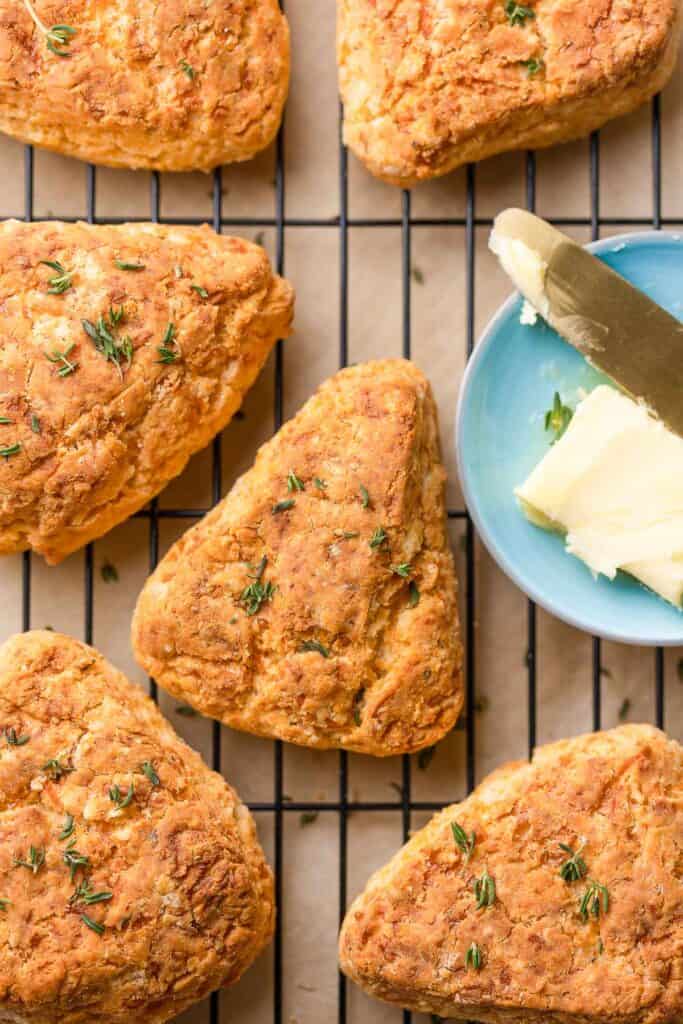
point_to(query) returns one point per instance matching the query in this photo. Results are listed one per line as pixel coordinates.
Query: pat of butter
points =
(614, 485)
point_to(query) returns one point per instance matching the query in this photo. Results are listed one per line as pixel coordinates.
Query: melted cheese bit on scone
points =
(614, 485)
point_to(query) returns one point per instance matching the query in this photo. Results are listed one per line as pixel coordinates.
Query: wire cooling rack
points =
(154, 514)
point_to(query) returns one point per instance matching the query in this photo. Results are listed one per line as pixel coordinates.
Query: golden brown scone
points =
(96, 427)
(429, 85)
(131, 880)
(173, 86)
(317, 602)
(615, 799)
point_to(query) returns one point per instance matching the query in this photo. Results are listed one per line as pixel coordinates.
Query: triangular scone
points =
(119, 359)
(590, 930)
(176, 86)
(132, 882)
(429, 85)
(317, 602)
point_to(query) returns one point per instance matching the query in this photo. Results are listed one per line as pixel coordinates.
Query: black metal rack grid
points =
(343, 806)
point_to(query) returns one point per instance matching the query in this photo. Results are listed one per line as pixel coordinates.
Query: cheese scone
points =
(551, 895)
(317, 602)
(429, 85)
(132, 882)
(123, 350)
(130, 83)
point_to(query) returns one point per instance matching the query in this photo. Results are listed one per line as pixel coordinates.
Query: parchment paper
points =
(310, 909)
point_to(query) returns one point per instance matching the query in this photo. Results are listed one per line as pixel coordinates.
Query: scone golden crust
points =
(173, 86)
(96, 415)
(616, 800)
(132, 880)
(431, 84)
(317, 602)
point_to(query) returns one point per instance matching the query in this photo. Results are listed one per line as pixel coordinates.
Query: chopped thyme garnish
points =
(10, 450)
(67, 827)
(34, 861)
(66, 366)
(92, 925)
(418, 276)
(185, 710)
(404, 569)
(117, 797)
(358, 706)
(485, 890)
(201, 292)
(425, 757)
(113, 349)
(517, 14)
(473, 956)
(379, 537)
(283, 506)
(168, 354)
(56, 36)
(12, 739)
(4, 903)
(320, 484)
(315, 646)
(594, 900)
(35, 424)
(147, 768)
(533, 66)
(85, 893)
(61, 282)
(55, 769)
(413, 594)
(307, 818)
(464, 842)
(253, 596)
(558, 418)
(350, 534)
(109, 573)
(364, 496)
(74, 860)
(575, 868)
(188, 69)
(293, 482)
(624, 709)
(123, 265)
(4, 420)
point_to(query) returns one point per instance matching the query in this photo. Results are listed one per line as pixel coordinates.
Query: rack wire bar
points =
(405, 806)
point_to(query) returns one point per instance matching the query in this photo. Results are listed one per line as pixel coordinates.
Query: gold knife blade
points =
(615, 326)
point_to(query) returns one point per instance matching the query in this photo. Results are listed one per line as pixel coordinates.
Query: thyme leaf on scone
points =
(61, 282)
(283, 506)
(13, 739)
(464, 842)
(87, 895)
(413, 594)
(293, 482)
(4, 903)
(516, 13)
(404, 569)
(594, 901)
(55, 769)
(34, 861)
(188, 69)
(124, 265)
(378, 538)
(485, 890)
(92, 925)
(320, 484)
(147, 768)
(67, 827)
(66, 366)
(533, 66)
(574, 868)
(473, 956)
(4, 420)
(166, 353)
(254, 595)
(115, 350)
(56, 37)
(9, 450)
(364, 496)
(74, 860)
(35, 424)
(201, 292)
(117, 797)
(314, 646)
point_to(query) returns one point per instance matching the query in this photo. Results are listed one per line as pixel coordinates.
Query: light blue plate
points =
(509, 385)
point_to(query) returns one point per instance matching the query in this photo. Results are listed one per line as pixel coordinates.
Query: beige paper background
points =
(310, 909)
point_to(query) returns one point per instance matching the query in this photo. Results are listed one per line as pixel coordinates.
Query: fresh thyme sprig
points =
(473, 956)
(314, 646)
(166, 353)
(117, 797)
(464, 842)
(574, 868)
(485, 890)
(61, 282)
(86, 895)
(66, 366)
(114, 350)
(34, 861)
(148, 769)
(12, 739)
(56, 36)
(75, 860)
(594, 901)
(254, 595)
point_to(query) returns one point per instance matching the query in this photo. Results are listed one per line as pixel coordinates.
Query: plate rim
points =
(483, 344)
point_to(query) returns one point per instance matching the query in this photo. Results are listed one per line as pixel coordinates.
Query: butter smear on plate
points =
(613, 484)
